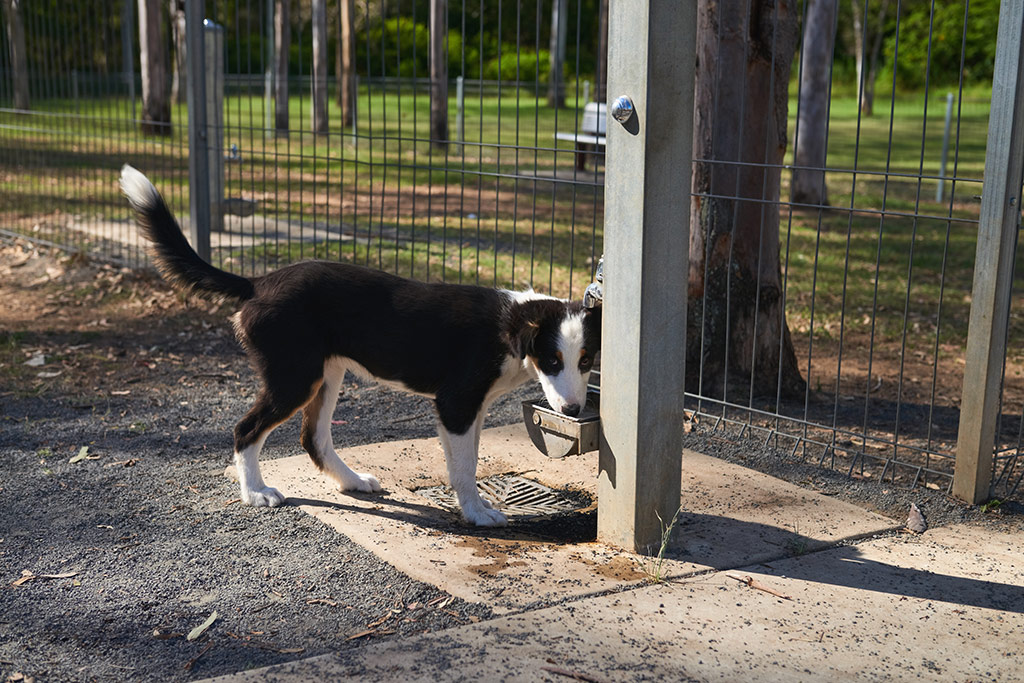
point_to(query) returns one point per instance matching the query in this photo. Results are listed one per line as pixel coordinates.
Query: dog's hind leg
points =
(316, 434)
(277, 402)
(460, 453)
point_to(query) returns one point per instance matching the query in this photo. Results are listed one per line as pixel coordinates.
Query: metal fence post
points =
(213, 40)
(647, 208)
(993, 268)
(460, 104)
(198, 152)
(940, 186)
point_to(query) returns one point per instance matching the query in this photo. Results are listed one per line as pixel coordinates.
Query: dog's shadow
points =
(576, 526)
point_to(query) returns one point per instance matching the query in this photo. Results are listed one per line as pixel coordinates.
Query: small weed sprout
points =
(656, 565)
(991, 505)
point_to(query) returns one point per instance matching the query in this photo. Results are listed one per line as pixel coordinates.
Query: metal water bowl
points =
(557, 435)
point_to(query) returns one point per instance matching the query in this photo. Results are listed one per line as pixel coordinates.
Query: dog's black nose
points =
(572, 410)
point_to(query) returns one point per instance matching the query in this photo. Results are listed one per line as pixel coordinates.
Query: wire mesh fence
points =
(865, 308)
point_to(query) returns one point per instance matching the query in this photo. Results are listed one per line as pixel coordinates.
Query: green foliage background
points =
(507, 39)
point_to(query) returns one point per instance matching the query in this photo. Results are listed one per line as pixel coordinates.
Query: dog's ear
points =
(592, 323)
(522, 329)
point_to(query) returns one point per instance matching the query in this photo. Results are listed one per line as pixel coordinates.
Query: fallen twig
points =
(759, 586)
(189, 663)
(27, 576)
(321, 601)
(361, 634)
(568, 673)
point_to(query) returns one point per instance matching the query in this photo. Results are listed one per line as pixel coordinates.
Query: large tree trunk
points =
(19, 58)
(282, 44)
(559, 29)
(346, 60)
(179, 77)
(156, 104)
(319, 21)
(438, 74)
(808, 186)
(737, 329)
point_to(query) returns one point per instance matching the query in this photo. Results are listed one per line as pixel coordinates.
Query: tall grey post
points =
(213, 39)
(993, 269)
(198, 152)
(651, 46)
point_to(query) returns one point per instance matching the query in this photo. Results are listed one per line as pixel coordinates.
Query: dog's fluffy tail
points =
(174, 257)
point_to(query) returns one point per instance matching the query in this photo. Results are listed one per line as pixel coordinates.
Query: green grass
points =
(488, 206)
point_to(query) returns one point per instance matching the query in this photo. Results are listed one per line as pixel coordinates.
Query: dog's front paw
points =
(483, 516)
(367, 483)
(266, 497)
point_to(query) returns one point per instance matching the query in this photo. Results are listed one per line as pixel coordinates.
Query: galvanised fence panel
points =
(838, 164)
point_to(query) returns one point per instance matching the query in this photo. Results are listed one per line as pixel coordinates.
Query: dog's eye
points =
(586, 363)
(551, 365)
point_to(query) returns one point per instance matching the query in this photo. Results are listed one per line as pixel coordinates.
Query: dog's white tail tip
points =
(137, 188)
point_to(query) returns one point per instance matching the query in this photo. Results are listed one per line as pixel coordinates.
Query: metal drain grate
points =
(514, 495)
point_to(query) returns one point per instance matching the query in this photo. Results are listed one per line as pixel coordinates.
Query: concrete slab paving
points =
(944, 606)
(732, 517)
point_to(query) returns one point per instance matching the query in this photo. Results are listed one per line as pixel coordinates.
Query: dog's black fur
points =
(462, 345)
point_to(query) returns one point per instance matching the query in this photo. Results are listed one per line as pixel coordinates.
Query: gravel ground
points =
(144, 532)
(155, 538)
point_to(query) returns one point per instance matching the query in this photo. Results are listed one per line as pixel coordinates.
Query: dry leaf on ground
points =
(201, 629)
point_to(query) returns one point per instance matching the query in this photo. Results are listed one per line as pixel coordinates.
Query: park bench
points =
(590, 136)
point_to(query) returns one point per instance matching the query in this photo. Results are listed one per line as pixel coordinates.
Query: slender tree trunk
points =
(346, 59)
(19, 57)
(602, 53)
(282, 44)
(858, 48)
(556, 80)
(438, 73)
(808, 186)
(737, 328)
(156, 104)
(179, 78)
(867, 85)
(319, 21)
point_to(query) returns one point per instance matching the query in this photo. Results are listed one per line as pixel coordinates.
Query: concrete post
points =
(647, 206)
(198, 152)
(993, 266)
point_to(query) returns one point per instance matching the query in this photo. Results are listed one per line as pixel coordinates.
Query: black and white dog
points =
(304, 326)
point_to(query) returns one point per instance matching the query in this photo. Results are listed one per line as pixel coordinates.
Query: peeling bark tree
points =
(808, 186)
(556, 63)
(860, 35)
(282, 44)
(737, 328)
(179, 76)
(156, 103)
(345, 65)
(602, 53)
(319, 21)
(19, 58)
(438, 74)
